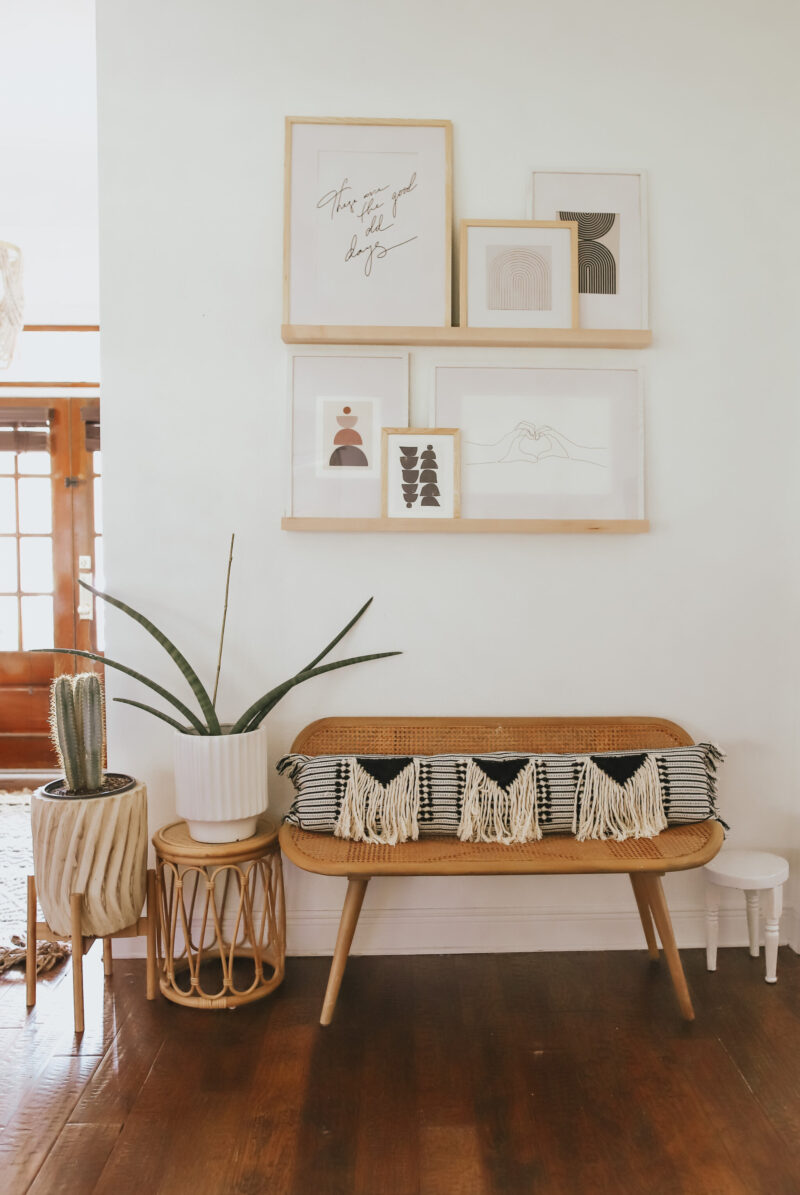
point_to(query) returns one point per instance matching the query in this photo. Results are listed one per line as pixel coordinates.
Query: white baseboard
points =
(497, 930)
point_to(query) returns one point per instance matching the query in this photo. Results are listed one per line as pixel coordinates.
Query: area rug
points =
(16, 864)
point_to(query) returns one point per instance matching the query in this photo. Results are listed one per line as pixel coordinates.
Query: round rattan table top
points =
(175, 843)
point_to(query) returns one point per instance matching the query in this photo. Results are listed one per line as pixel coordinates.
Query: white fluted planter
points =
(93, 845)
(221, 783)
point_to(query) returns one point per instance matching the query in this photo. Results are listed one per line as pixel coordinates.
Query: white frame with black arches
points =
(623, 193)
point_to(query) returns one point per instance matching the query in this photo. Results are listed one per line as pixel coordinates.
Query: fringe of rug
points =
(605, 809)
(490, 813)
(374, 812)
(48, 955)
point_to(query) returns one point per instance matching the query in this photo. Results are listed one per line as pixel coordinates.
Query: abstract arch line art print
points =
(532, 444)
(518, 278)
(597, 266)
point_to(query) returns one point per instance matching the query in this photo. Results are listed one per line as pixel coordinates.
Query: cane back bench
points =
(645, 859)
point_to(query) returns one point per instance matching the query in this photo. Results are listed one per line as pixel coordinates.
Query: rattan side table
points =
(222, 920)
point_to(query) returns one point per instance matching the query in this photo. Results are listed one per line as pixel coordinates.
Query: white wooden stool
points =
(754, 872)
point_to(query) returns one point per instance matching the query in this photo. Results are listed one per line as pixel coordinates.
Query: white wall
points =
(696, 621)
(48, 167)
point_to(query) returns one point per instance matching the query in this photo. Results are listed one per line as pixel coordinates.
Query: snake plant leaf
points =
(339, 637)
(156, 713)
(189, 674)
(254, 716)
(151, 684)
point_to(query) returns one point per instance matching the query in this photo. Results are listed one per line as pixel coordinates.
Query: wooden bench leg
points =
(640, 892)
(658, 905)
(30, 946)
(356, 887)
(108, 958)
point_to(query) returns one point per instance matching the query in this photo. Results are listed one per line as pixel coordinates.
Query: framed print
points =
(421, 473)
(609, 210)
(519, 274)
(367, 222)
(545, 443)
(338, 406)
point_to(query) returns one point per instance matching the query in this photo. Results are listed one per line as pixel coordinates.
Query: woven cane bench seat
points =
(676, 849)
(645, 860)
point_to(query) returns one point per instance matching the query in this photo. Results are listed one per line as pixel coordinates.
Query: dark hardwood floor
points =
(459, 1075)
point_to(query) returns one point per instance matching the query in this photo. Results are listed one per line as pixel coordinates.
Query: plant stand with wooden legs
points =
(40, 931)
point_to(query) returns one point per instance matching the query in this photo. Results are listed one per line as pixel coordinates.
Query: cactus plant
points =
(77, 725)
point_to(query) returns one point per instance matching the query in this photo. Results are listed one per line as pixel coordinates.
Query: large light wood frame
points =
(645, 860)
(386, 432)
(564, 225)
(447, 126)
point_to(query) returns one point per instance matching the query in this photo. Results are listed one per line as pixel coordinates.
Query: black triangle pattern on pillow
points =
(384, 770)
(502, 771)
(619, 767)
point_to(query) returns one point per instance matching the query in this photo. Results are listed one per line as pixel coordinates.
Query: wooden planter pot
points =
(96, 846)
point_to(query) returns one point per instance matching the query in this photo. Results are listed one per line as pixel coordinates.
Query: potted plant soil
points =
(89, 828)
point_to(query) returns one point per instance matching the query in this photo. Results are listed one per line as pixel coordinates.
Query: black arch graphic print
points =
(518, 279)
(597, 266)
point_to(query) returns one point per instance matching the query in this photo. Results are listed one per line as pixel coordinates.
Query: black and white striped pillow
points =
(686, 782)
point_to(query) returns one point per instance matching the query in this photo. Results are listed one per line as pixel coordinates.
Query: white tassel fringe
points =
(373, 812)
(489, 813)
(611, 810)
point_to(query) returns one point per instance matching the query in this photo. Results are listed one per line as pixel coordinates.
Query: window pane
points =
(8, 566)
(36, 561)
(8, 505)
(9, 629)
(35, 508)
(33, 462)
(98, 505)
(7, 462)
(37, 622)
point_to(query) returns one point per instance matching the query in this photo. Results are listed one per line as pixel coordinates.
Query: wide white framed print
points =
(339, 404)
(610, 211)
(519, 274)
(368, 222)
(546, 443)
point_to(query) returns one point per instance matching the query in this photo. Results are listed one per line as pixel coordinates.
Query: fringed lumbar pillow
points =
(503, 797)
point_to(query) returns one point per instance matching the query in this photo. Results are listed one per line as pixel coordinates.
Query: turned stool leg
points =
(30, 946)
(712, 925)
(752, 921)
(108, 958)
(774, 910)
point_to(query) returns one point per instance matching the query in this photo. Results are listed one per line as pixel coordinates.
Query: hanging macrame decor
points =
(11, 300)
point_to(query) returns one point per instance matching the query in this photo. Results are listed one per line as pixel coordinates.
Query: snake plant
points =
(207, 722)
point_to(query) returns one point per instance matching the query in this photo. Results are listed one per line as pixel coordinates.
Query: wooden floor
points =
(457, 1075)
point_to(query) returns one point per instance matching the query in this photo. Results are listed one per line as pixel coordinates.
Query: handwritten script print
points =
(369, 223)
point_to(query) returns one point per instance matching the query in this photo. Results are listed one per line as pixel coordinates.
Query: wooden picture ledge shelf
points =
(482, 338)
(476, 526)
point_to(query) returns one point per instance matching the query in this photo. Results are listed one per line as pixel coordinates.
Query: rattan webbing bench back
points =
(439, 736)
